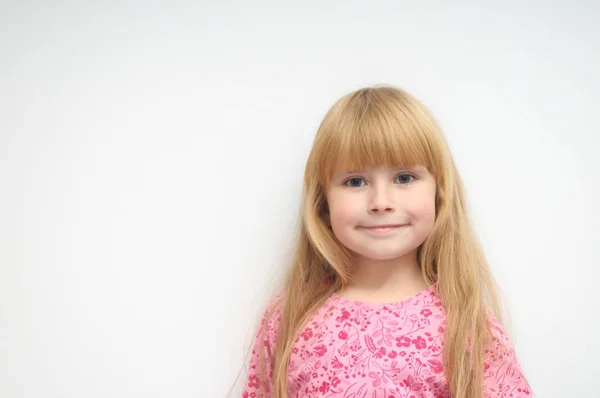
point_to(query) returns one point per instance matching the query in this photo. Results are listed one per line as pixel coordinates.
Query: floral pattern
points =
(352, 349)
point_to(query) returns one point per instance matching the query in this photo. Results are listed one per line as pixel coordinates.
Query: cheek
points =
(422, 208)
(342, 214)
(342, 211)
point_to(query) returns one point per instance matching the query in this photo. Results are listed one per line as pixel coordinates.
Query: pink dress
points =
(354, 349)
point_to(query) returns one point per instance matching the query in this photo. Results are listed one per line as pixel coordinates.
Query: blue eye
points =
(404, 178)
(354, 182)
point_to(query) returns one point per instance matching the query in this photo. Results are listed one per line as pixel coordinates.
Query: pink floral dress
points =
(355, 349)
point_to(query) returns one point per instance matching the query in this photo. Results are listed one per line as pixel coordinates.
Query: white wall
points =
(151, 158)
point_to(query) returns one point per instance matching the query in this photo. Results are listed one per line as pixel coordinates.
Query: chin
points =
(382, 256)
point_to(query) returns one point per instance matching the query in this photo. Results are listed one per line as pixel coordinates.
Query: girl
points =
(389, 293)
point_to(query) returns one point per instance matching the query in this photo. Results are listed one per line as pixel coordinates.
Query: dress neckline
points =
(374, 304)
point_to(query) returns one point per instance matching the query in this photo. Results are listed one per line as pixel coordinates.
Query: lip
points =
(382, 230)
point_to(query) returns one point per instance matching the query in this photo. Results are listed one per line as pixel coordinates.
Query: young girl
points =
(389, 293)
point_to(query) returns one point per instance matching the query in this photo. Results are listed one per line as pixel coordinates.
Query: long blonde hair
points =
(384, 125)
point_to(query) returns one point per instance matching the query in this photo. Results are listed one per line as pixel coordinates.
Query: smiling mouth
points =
(385, 226)
(382, 229)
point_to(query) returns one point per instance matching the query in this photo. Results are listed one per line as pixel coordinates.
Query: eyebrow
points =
(358, 171)
(346, 173)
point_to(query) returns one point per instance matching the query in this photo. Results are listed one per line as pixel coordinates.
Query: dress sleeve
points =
(503, 375)
(259, 379)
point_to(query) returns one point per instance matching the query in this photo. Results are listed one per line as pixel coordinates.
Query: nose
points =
(381, 200)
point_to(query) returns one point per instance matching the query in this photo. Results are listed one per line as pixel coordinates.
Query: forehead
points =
(381, 132)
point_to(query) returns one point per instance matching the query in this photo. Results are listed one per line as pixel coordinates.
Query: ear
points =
(326, 219)
(325, 216)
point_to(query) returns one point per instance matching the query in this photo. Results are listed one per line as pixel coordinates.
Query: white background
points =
(151, 158)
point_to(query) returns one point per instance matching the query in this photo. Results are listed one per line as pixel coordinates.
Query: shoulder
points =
(271, 316)
(500, 345)
(503, 374)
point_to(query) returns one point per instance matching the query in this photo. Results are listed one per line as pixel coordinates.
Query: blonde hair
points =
(384, 125)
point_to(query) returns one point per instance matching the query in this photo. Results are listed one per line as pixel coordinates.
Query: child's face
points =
(401, 199)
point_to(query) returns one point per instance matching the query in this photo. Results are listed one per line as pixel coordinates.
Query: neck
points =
(386, 280)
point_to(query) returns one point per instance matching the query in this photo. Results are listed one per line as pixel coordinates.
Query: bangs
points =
(377, 129)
